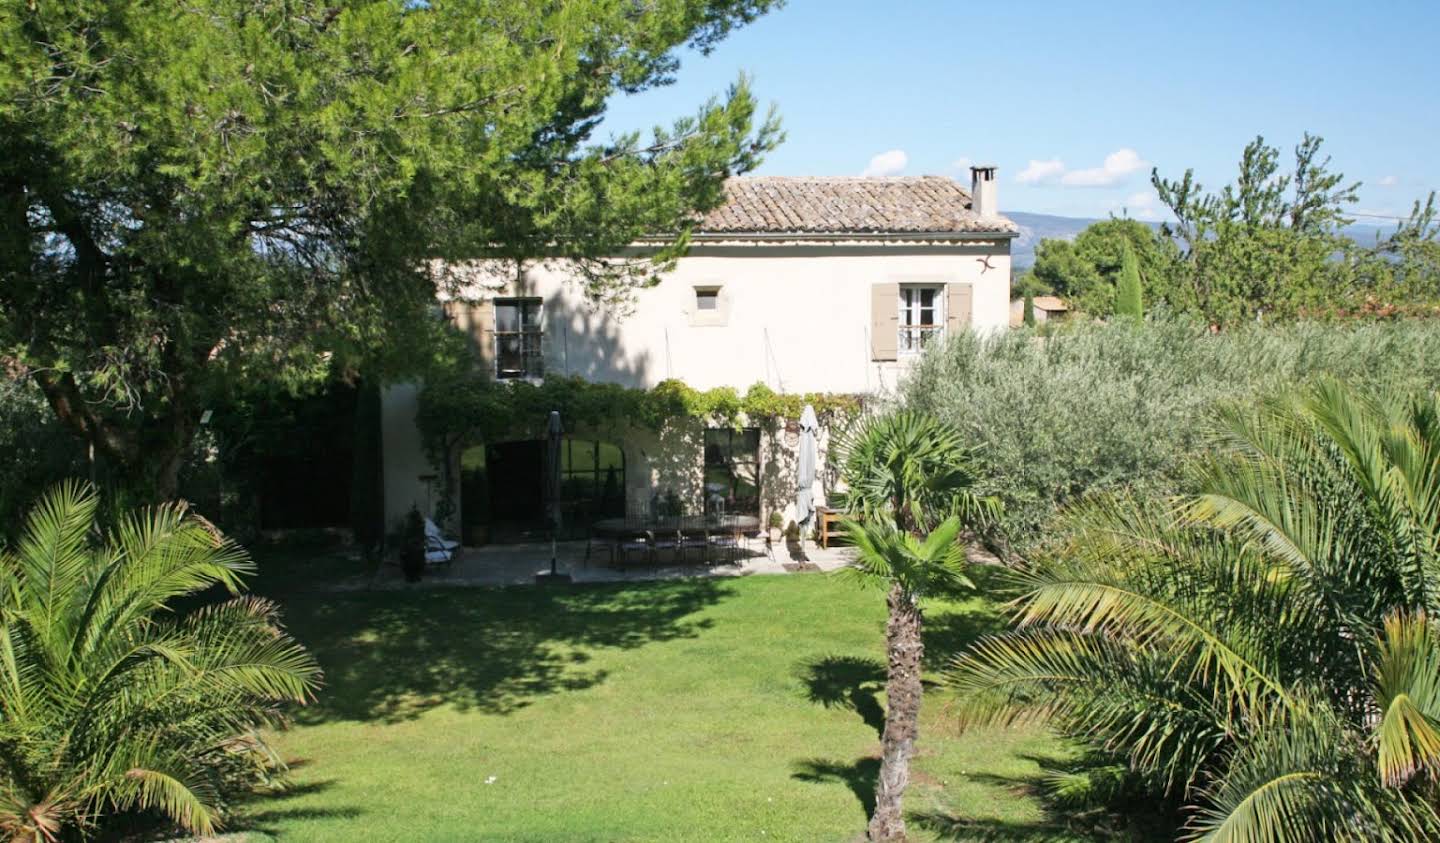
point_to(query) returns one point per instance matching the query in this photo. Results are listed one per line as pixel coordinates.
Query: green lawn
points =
(702, 709)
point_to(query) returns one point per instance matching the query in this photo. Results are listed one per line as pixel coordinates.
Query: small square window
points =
(707, 299)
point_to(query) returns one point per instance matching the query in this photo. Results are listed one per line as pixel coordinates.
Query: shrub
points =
(111, 702)
(1105, 406)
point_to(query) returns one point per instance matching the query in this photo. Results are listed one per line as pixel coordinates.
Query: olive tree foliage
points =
(208, 190)
(1123, 405)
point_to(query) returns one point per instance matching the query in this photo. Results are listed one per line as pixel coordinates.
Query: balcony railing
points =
(518, 354)
(914, 338)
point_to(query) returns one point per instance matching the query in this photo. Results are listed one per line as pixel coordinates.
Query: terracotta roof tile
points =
(817, 205)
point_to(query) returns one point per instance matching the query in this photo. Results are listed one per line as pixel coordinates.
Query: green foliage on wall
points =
(464, 406)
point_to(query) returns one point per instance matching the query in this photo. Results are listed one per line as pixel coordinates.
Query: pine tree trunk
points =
(904, 648)
(148, 458)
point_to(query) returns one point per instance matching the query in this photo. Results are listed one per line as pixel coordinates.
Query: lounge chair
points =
(438, 549)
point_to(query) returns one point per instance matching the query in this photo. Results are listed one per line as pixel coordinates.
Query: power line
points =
(1375, 216)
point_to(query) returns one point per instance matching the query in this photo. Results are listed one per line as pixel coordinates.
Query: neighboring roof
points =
(830, 205)
(1050, 303)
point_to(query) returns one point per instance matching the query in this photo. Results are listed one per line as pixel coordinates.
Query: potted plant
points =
(776, 522)
(412, 546)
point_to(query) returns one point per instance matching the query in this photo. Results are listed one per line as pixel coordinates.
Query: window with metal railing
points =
(922, 317)
(519, 339)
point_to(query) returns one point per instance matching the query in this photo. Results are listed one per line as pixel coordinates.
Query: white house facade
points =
(830, 285)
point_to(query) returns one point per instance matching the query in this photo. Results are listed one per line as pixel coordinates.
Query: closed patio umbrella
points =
(805, 471)
(553, 433)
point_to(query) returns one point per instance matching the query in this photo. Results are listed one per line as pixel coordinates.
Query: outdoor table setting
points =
(669, 532)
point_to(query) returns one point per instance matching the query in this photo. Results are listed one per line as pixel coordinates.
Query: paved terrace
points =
(517, 564)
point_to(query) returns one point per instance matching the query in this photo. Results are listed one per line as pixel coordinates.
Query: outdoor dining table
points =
(615, 530)
(683, 524)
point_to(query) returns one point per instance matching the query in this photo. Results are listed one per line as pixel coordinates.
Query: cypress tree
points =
(1129, 298)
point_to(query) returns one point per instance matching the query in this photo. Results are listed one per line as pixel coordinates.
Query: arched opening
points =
(502, 489)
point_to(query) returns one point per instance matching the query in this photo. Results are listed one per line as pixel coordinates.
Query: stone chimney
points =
(982, 191)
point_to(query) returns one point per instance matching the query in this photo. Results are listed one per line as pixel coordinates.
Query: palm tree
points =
(912, 470)
(907, 473)
(908, 569)
(1263, 653)
(109, 703)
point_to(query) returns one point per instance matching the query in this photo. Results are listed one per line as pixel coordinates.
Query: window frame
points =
(530, 334)
(595, 475)
(912, 337)
(728, 463)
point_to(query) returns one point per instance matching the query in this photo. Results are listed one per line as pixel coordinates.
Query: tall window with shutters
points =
(922, 317)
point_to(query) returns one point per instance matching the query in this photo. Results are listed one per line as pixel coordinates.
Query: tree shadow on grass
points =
(860, 776)
(853, 682)
(266, 811)
(1135, 822)
(392, 655)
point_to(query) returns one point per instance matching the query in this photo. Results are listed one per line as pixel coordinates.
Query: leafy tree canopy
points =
(1269, 245)
(233, 188)
(1265, 244)
(1086, 271)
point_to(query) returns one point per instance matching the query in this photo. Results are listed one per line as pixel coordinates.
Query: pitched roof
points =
(1050, 303)
(828, 205)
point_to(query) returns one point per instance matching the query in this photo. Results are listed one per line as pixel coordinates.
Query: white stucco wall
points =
(798, 316)
(795, 317)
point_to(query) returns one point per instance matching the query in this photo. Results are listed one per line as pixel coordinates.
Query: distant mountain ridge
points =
(1037, 227)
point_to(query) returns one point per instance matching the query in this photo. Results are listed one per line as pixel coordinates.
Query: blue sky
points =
(1076, 101)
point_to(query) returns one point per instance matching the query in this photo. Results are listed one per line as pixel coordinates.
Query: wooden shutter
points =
(959, 304)
(477, 321)
(884, 321)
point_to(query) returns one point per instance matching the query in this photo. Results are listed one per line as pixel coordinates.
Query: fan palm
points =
(1264, 652)
(109, 703)
(911, 469)
(907, 473)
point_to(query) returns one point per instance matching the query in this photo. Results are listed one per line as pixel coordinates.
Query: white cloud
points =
(962, 164)
(1041, 171)
(1116, 169)
(1118, 166)
(889, 163)
(1142, 205)
(1389, 181)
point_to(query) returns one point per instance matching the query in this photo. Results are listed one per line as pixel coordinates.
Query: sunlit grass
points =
(693, 710)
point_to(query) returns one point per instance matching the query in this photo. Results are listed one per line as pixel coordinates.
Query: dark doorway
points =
(517, 487)
(300, 451)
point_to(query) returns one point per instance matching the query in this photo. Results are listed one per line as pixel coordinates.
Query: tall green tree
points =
(912, 485)
(237, 188)
(1267, 654)
(1266, 244)
(112, 702)
(1129, 294)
